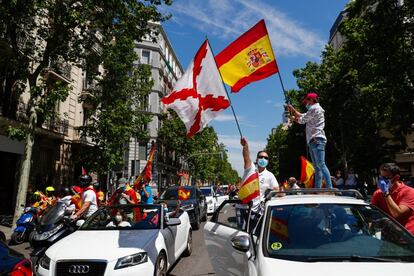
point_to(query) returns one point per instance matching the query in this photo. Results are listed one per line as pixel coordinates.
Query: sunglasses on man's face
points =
(263, 157)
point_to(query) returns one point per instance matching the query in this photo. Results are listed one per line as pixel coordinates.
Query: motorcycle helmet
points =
(50, 191)
(97, 186)
(85, 180)
(76, 190)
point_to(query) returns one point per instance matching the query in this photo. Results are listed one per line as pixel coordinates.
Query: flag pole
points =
(225, 88)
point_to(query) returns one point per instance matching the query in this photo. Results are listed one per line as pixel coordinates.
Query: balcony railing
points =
(59, 69)
(57, 125)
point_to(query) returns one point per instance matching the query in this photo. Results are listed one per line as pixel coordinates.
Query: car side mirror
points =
(173, 222)
(241, 243)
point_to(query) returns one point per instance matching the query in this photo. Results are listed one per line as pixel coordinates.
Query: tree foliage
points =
(366, 88)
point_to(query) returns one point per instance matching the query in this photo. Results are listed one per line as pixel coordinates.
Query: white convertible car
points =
(122, 240)
(330, 233)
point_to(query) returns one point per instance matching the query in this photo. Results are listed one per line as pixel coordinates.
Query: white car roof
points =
(314, 199)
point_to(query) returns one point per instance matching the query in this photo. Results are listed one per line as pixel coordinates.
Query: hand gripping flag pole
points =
(225, 88)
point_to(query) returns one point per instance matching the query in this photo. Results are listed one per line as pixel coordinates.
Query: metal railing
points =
(57, 125)
(62, 68)
(315, 191)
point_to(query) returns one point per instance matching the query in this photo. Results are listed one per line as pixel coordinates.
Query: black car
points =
(192, 201)
(12, 262)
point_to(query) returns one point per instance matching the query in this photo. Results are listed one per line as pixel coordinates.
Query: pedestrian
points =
(314, 119)
(394, 197)
(146, 193)
(293, 184)
(351, 181)
(339, 180)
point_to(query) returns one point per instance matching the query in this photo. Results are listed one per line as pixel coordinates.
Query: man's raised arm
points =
(246, 153)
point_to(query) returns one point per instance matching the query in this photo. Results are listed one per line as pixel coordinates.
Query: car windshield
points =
(323, 232)
(130, 217)
(178, 193)
(206, 191)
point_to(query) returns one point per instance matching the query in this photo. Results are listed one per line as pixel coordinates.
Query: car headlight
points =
(132, 260)
(45, 262)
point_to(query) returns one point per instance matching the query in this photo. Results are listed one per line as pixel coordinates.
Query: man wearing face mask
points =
(267, 180)
(314, 119)
(394, 197)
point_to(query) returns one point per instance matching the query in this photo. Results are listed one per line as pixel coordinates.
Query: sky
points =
(298, 30)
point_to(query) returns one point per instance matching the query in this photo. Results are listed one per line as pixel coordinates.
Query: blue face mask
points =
(165, 210)
(308, 106)
(262, 162)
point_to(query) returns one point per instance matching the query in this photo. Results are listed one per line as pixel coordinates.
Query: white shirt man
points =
(89, 195)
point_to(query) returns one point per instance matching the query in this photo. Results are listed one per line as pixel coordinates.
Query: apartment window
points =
(142, 152)
(146, 57)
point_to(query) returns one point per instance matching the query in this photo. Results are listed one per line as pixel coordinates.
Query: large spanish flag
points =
(146, 173)
(247, 59)
(307, 174)
(249, 190)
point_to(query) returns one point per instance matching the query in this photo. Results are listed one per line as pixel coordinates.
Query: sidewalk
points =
(23, 248)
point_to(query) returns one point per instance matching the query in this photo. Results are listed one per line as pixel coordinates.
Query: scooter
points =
(24, 226)
(53, 226)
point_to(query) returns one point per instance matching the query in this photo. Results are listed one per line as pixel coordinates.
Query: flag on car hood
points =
(199, 95)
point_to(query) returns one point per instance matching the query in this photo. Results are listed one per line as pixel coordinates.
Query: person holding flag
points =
(257, 182)
(314, 119)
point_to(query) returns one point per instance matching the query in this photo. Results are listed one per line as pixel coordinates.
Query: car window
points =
(206, 191)
(124, 217)
(180, 193)
(234, 215)
(303, 232)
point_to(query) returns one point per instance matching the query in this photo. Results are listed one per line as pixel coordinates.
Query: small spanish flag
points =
(307, 174)
(247, 59)
(249, 190)
(279, 228)
(183, 194)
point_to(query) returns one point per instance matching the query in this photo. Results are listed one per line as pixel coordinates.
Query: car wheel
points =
(189, 248)
(161, 265)
(17, 237)
(196, 224)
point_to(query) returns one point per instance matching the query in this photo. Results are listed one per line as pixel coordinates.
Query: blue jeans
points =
(317, 153)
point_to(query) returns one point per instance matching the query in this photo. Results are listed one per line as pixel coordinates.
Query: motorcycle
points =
(53, 226)
(24, 226)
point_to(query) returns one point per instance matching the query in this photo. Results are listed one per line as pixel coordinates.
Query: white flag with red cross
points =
(199, 95)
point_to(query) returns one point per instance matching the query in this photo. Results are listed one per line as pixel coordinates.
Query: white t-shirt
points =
(267, 180)
(89, 195)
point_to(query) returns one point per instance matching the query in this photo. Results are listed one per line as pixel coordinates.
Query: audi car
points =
(305, 233)
(122, 240)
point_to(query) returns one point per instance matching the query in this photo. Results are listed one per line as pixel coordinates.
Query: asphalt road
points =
(198, 264)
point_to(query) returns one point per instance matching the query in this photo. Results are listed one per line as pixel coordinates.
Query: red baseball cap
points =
(310, 96)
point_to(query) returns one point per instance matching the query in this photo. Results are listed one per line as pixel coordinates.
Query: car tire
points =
(196, 224)
(160, 268)
(189, 248)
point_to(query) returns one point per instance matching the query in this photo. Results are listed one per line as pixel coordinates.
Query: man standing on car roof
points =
(314, 119)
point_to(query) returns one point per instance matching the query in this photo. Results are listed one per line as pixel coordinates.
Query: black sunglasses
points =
(265, 157)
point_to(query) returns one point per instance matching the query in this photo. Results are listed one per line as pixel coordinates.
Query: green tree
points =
(36, 33)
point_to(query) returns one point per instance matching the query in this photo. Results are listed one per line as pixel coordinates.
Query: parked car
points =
(191, 199)
(312, 234)
(13, 263)
(211, 198)
(122, 240)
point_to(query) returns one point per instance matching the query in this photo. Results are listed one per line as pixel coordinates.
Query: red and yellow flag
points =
(183, 193)
(307, 174)
(146, 173)
(247, 59)
(279, 228)
(250, 188)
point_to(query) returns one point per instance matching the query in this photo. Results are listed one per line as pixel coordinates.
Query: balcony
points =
(86, 95)
(57, 125)
(58, 70)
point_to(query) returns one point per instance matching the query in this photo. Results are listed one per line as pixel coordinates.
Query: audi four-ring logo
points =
(79, 269)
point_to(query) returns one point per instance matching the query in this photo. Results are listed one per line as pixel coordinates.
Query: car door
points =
(218, 234)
